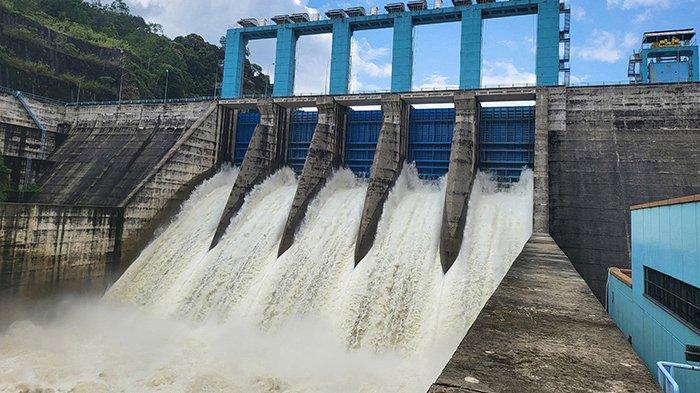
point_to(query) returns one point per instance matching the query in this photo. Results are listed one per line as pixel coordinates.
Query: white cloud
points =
(631, 4)
(642, 16)
(366, 63)
(209, 18)
(605, 46)
(578, 12)
(436, 81)
(313, 64)
(505, 73)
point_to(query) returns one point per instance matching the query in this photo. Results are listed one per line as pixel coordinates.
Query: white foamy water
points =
(239, 319)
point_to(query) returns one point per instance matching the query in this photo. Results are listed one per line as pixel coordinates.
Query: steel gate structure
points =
(430, 140)
(245, 126)
(301, 130)
(361, 136)
(506, 141)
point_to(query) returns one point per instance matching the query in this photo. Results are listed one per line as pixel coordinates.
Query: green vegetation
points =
(98, 44)
(4, 180)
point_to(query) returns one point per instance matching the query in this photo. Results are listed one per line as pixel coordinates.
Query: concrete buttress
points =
(460, 178)
(389, 157)
(325, 154)
(265, 154)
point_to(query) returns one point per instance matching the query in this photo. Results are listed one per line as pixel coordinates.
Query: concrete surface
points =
(610, 148)
(543, 331)
(47, 248)
(111, 150)
(389, 156)
(265, 155)
(325, 154)
(460, 178)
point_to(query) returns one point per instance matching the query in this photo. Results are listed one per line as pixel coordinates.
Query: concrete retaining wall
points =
(621, 145)
(46, 248)
(139, 160)
(20, 139)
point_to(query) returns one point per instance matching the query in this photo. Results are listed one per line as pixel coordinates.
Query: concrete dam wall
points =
(620, 146)
(595, 151)
(119, 172)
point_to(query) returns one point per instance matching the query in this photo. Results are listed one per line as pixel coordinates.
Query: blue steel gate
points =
(245, 126)
(300, 133)
(430, 140)
(506, 141)
(361, 137)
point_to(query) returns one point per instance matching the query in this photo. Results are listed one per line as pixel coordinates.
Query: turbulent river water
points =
(239, 319)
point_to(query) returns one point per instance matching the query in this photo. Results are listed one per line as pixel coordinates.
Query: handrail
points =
(666, 378)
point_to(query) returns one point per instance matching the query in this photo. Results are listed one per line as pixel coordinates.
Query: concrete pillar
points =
(340, 57)
(325, 155)
(470, 50)
(285, 62)
(388, 161)
(402, 55)
(541, 164)
(232, 84)
(547, 59)
(460, 178)
(265, 154)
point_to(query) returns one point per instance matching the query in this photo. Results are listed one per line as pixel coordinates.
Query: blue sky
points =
(603, 35)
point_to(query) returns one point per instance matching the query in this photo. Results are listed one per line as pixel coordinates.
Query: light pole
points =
(167, 77)
(80, 82)
(121, 79)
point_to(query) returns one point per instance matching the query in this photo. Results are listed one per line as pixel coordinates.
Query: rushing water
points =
(239, 319)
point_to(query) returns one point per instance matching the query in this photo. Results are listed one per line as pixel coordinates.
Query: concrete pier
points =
(460, 178)
(265, 154)
(389, 157)
(325, 154)
(543, 331)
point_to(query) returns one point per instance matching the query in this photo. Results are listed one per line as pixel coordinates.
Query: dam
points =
(341, 242)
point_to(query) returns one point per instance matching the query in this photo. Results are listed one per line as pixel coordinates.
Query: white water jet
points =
(239, 319)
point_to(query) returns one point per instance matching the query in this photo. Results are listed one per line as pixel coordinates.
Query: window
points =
(678, 297)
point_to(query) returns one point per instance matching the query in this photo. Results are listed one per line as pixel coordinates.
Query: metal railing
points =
(149, 101)
(36, 97)
(666, 377)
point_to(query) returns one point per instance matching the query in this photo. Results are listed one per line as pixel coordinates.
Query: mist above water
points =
(239, 319)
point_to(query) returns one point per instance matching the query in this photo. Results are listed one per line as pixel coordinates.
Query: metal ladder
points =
(28, 165)
(565, 38)
(634, 75)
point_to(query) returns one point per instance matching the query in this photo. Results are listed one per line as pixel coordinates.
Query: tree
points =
(120, 7)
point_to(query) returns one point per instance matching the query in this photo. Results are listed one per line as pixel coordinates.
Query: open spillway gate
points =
(316, 139)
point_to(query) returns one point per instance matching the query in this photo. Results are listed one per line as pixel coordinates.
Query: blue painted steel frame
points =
(689, 51)
(301, 130)
(430, 140)
(547, 67)
(506, 141)
(245, 126)
(361, 137)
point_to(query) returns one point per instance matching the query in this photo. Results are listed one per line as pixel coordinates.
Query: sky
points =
(603, 35)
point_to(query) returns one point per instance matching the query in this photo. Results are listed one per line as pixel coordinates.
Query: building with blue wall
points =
(657, 304)
(669, 56)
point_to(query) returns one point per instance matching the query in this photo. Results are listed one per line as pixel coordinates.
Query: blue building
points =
(669, 56)
(656, 305)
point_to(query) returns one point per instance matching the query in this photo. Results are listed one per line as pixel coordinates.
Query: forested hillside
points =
(59, 48)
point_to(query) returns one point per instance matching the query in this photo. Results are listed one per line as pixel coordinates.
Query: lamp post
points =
(167, 77)
(121, 78)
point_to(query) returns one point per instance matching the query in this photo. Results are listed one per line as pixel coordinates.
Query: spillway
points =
(238, 318)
